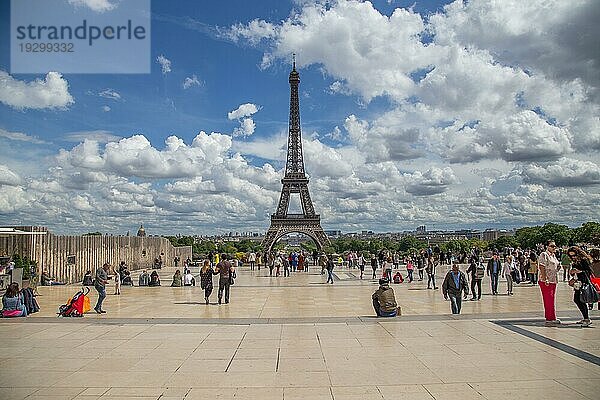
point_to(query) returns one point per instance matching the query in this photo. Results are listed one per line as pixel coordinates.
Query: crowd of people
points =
(541, 266)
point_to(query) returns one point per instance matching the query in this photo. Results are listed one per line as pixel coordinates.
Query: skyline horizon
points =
(225, 232)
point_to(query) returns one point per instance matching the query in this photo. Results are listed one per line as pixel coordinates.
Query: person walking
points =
(477, 272)
(548, 266)
(494, 268)
(580, 274)
(533, 267)
(226, 272)
(117, 277)
(387, 269)
(384, 300)
(508, 269)
(278, 262)
(409, 270)
(454, 284)
(252, 260)
(271, 262)
(374, 265)
(361, 265)
(206, 279)
(286, 266)
(293, 259)
(430, 269)
(421, 265)
(330, 266)
(100, 286)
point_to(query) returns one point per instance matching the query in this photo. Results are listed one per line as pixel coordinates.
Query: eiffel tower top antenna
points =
(293, 61)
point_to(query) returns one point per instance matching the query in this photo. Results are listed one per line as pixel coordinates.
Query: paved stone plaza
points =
(298, 338)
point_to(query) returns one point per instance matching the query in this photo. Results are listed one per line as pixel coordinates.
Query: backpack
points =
(479, 271)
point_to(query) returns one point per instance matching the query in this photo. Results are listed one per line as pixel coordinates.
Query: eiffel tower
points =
(295, 182)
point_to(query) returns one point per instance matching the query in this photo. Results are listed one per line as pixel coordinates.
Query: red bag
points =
(11, 313)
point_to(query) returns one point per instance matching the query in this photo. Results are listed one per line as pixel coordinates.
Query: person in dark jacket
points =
(225, 271)
(330, 266)
(494, 268)
(580, 273)
(454, 284)
(384, 300)
(154, 279)
(100, 286)
(477, 272)
(88, 279)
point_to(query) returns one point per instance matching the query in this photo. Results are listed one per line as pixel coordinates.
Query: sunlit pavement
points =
(299, 338)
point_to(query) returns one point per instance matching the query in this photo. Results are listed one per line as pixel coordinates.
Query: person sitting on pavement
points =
(144, 279)
(188, 279)
(88, 279)
(177, 279)
(384, 300)
(154, 279)
(398, 277)
(47, 280)
(13, 304)
(124, 274)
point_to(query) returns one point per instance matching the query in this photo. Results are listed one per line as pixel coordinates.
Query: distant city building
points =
(333, 233)
(421, 229)
(141, 232)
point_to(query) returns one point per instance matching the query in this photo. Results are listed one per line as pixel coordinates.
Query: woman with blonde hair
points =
(206, 280)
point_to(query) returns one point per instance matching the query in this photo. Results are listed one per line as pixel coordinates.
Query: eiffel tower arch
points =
(295, 182)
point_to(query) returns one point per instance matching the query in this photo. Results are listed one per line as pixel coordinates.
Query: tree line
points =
(526, 237)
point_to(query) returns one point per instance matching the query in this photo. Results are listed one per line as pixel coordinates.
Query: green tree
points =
(532, 236)
(561, 234)
(528, 236)
(502, 242)
(587, 233)
(410, 243)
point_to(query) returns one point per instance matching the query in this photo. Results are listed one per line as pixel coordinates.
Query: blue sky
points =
(412, 113)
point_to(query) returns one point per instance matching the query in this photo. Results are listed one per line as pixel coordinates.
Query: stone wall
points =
(67, 258)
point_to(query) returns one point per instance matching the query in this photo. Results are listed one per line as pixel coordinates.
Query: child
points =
(117, 283)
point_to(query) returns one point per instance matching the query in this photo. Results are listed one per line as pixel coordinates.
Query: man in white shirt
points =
(188, 279)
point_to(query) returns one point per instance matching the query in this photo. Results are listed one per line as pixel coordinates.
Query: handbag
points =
(11, 313)
(588, 294)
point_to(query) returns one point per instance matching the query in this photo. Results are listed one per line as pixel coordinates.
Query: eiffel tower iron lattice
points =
(295, 182)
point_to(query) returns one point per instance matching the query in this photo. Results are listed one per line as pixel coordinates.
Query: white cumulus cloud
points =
(50, 92)
(243, 114)
(244, 110)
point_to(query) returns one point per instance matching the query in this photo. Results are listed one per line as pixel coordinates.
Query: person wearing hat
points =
(384, 300)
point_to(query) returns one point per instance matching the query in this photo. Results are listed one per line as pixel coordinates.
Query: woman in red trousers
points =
(548, 266)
